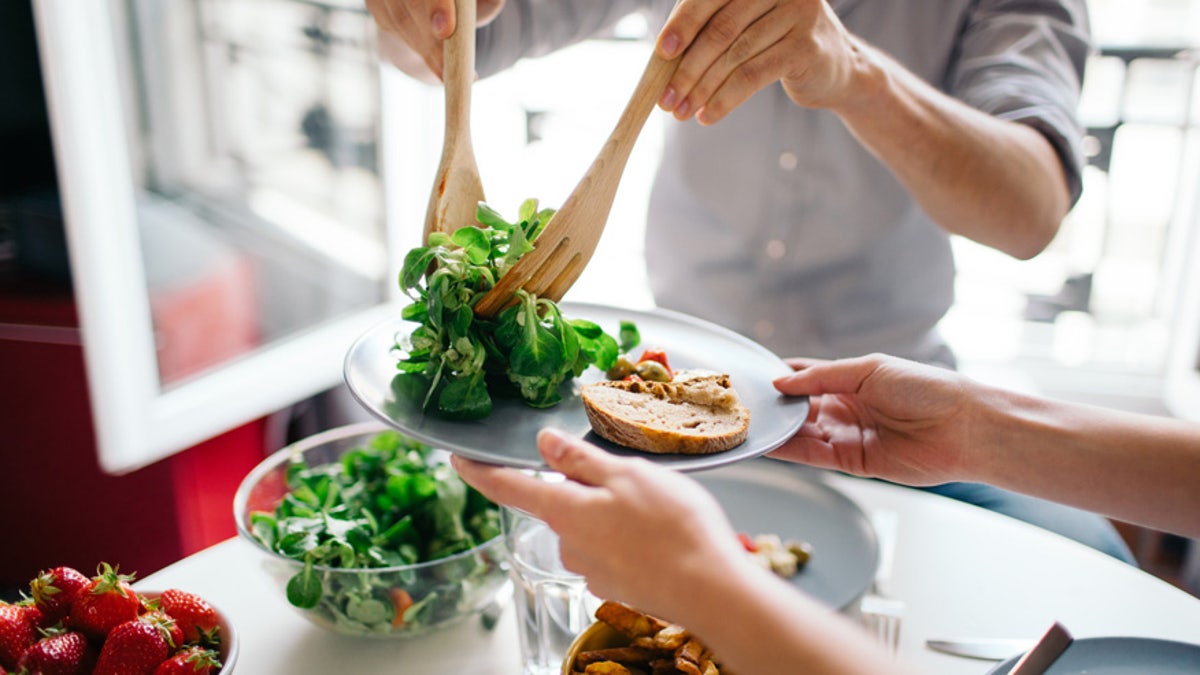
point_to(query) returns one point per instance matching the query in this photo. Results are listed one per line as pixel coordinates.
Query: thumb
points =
(442, 17)
(575, 458)
(844, 376)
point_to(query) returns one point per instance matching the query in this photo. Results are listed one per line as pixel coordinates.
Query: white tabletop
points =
(961, 570)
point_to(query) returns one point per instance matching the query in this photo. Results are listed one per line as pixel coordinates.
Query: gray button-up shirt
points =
(777, 223)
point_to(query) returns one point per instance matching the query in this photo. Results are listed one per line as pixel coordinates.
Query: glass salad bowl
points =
(370, 533)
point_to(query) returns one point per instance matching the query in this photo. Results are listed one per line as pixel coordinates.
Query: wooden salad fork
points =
(565, 246)
(457, 189)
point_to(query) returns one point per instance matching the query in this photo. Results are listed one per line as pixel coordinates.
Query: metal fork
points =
(880, 613)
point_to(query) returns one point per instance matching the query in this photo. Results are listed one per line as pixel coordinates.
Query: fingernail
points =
(668, 98)
(704, 118)
(669, 46)
(682, 111)
(439, 22)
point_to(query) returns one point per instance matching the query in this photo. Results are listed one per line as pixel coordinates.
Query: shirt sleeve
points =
(530, 28)
(1023, 60)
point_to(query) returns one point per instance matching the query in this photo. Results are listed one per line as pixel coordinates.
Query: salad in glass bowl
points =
(371, 533)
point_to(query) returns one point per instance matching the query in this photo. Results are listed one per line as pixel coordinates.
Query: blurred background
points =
(243, 176)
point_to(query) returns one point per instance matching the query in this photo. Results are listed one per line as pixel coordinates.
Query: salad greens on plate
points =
(356, 526)
(529, 349)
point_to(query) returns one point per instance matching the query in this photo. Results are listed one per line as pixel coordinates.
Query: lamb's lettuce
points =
(391, 502)
(530, 348)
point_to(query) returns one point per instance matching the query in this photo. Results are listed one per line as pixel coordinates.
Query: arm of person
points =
(652, 538)
(885, 417)
(997, 182)
(1139, 468)
(972, 168)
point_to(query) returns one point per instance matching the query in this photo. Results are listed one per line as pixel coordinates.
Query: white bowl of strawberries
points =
(78, 625)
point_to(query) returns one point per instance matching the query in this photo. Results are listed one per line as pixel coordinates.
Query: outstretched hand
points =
(883, 417)
(639, 532)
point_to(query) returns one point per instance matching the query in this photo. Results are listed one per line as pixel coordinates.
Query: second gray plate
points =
(771, 496)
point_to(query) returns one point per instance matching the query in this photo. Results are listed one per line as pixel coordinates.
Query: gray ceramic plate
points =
(1120, 656)
(770, 496)
(507, 436)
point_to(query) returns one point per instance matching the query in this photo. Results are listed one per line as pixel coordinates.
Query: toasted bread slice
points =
(697, 416)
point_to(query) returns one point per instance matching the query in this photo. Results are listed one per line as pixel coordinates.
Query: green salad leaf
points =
(530, 348)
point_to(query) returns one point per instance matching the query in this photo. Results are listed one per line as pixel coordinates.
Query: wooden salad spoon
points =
(570, 238)
(457, 189)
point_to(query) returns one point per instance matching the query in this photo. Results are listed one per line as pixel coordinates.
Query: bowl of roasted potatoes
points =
(626, 641)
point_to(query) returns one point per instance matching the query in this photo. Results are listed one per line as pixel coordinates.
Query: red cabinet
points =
(60, 508)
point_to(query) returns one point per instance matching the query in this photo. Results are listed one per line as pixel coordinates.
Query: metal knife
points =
(987, 649)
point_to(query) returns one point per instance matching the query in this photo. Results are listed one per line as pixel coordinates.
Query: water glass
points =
(553, 605)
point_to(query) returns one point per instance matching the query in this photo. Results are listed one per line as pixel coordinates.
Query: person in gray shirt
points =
(828, 151)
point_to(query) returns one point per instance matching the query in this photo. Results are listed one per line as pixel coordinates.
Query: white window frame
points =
(136, 420)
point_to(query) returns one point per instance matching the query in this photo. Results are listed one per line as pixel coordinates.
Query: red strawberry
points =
(166, 624)
(18, 632)
(132, 648)
(62, 654)
(193, 614)
(35, 615)
(54, 590)
(190, 661)
(104, 602)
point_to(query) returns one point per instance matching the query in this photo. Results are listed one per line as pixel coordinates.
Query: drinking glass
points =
(553, 605)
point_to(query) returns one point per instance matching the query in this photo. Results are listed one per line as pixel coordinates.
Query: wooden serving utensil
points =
(570, 238)
(457, 189)
(1049, 647)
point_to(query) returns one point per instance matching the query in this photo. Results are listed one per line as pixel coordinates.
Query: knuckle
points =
(685, 78)
(747, 76)
(723, 28)
(741, 49)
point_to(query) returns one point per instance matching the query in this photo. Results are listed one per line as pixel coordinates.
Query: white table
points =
(961, 570)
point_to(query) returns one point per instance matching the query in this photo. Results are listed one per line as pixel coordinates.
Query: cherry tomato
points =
(401, 601)
(747, 542)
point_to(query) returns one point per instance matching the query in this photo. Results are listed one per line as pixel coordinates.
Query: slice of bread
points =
(696, 416)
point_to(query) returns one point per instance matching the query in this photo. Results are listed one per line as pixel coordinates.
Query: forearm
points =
(1136, 468)
(996, 182)
(756, 623)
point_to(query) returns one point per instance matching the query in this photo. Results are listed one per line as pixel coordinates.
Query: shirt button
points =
(776, 249)
(788, 161)
(764, 329)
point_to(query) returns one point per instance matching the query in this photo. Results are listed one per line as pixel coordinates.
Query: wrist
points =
(723, 579)
(869, 78)
(1008, 424)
